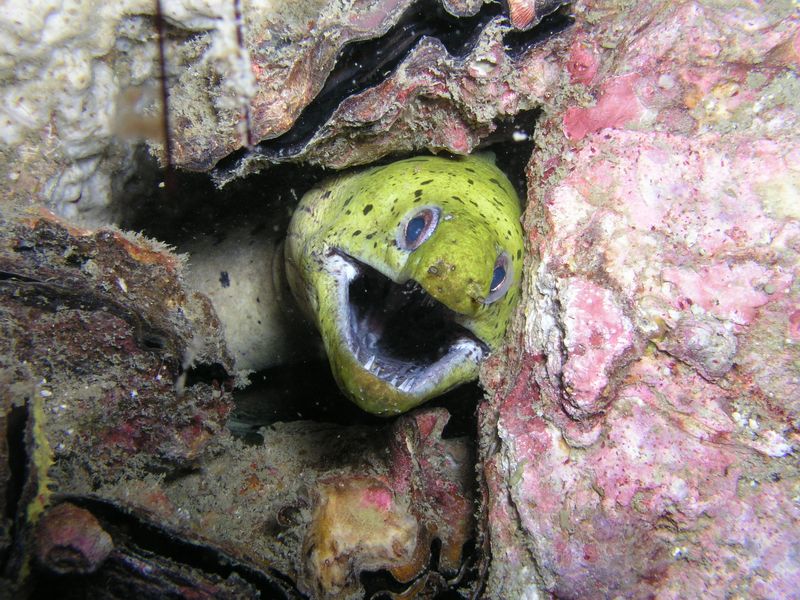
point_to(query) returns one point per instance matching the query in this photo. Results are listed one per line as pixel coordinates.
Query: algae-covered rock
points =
(642, 433)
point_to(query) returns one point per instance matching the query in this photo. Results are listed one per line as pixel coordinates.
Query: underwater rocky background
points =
(636, 437)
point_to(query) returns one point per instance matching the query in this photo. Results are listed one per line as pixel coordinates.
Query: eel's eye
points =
(417, 228)
(501, 278)
(498, 277)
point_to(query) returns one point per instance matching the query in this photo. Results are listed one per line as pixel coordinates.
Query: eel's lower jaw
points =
(397, 332)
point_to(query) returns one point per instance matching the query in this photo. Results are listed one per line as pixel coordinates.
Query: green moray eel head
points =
(410, 272)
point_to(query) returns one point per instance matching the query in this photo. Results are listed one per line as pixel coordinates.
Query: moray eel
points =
(410, 272)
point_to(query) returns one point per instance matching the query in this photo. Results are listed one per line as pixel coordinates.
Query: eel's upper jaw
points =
(397, 332)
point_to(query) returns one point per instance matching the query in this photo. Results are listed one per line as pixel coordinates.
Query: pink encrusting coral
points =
(596, 336)
(648, 426)
(616, 106)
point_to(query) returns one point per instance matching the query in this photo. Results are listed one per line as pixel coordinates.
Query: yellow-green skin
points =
(360, 214)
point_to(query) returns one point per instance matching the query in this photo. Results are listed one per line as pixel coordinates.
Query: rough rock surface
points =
(642, 435)
(81, 83)
(115, 387)
(98, 339)
(436, 99)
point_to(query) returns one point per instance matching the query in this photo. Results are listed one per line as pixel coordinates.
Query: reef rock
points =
(120, 469)
(642, 430)
(83, 88)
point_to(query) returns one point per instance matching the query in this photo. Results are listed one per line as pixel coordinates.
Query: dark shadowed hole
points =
(214, 375)
(512, 145)
(16, 425)
(154, 341)
(307, 391)
(381, 585)
(195, 207)
(436, 551)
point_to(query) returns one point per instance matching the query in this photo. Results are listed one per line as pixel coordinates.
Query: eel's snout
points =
(400, 334)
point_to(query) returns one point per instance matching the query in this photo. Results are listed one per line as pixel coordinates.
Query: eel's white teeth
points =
(396, 331)
(408, 384)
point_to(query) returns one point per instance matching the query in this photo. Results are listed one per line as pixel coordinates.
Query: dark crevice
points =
(137, 537)
(296, 392)
(197, 208)
(171, 475)
(378, 584)
(364, 64)
(469, 571)
(512, 145)
(153, 341)
(16, 277)
(17, 457)
(436, 552)
(16, 423)
(213, 374)
(381, 584)
(308, 392)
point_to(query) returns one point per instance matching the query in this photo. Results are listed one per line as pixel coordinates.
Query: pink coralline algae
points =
(582, 65)
(617, 106)
(646, 432)
(387, 521)
(596, 336)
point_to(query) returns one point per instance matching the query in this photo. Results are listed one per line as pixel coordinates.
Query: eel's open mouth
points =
(398, 332)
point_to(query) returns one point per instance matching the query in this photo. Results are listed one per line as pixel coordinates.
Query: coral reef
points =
(645, 441)
(639, 436)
